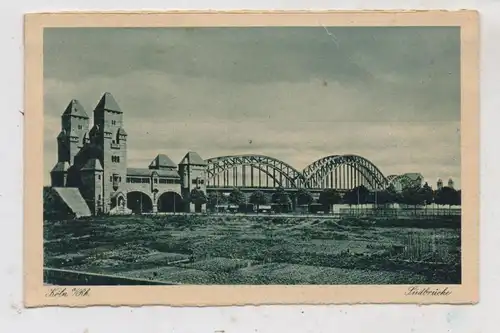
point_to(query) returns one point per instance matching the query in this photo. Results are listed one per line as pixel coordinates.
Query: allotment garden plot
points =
(201, 249)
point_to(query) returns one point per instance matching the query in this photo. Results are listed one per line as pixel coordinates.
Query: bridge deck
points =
(265, 189)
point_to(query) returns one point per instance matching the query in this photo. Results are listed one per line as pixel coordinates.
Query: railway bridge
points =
(250, 172)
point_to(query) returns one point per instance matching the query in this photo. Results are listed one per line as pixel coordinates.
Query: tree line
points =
(415, 195)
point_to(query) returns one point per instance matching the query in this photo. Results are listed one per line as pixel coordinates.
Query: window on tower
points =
(80, 127)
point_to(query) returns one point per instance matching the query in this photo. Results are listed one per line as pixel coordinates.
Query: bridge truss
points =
(399, 181)
(252, 171)
(342, 172)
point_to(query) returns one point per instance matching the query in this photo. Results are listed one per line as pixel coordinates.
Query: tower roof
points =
(61, 135)
(94, 130)
(74, 108)
(162, 161)
(108, 103)
(192, 158)
(86, 137)
(92, 164)
(60, 167)
(121, 131)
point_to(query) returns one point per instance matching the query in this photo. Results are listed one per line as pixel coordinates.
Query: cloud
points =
(252, 54)
(390, 95)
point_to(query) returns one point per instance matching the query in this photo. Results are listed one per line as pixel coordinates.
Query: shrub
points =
(279, 220)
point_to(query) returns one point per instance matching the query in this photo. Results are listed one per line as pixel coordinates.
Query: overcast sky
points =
(391, 95)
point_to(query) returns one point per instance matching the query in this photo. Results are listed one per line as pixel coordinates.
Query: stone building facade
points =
(94, 160)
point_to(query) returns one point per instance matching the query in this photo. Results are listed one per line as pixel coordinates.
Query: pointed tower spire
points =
(108, 103)
(75, 109)
(162, 161)
(192, 158)
(109, 134)
(74, 125)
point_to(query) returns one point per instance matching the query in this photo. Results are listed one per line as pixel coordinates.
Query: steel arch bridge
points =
(391, 179)
(252, 171)
(399, 181)
(341, 172)
(344, 172)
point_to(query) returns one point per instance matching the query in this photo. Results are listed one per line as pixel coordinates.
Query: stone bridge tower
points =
(74, 129)
(192, 170)
(110, 136)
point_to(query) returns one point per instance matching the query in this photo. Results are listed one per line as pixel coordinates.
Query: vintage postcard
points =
(198, 158)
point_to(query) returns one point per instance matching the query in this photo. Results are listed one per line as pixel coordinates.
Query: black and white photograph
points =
(293, 154)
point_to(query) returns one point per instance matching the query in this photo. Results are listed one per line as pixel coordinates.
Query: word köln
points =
(65, 292)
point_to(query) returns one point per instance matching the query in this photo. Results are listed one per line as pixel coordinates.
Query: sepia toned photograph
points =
(279, 155)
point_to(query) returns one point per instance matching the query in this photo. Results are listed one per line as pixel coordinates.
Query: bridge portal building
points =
(94, 163)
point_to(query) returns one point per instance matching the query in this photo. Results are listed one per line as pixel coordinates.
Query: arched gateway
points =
(170, 202)
(139, 202)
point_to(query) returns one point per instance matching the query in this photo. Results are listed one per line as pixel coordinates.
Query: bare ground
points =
(257, 250)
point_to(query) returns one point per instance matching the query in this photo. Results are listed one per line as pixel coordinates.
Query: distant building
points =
(451, 183)
(439, 184)
(95, 162)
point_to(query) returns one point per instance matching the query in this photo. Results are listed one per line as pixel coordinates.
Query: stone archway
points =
(139, 202)
(171, 202)
(121, 201)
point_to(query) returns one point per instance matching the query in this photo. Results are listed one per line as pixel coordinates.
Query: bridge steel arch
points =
(391, 178)
(398, 181)
(280, 172)
(354, 170)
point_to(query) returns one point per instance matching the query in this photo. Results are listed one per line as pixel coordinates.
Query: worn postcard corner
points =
(237, 158)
